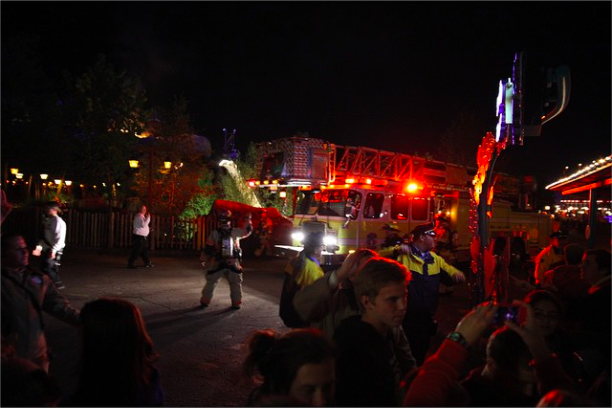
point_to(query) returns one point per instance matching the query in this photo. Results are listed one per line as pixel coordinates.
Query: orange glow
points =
(266, 182)
(350, 181)
(252, 183)
(412, 187)
(368, 181)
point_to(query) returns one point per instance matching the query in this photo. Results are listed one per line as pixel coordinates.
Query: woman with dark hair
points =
(299, 366)
(117, 358)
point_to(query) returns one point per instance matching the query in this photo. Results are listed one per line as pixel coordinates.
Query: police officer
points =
(221, 258)
(392, 237)
(426, 267)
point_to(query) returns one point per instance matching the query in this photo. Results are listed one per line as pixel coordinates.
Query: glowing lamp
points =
(167, 164)
(142, 135)
(412, 187)
(368, 181)
(266, 182)
(68, 182)
(19, 175)
(251, 183)
(44, 176)
(350, 181)
(14, 170)
(133, 164)
(282, 194)
(58, 181)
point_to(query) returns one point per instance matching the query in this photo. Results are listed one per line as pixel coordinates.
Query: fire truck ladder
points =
(380, 164)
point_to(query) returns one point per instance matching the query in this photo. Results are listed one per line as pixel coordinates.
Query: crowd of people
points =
(362, 335)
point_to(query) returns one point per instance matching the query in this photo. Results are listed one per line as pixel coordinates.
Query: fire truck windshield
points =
(335, 203)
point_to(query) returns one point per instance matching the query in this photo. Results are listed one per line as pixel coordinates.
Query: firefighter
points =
(426, 267)
(222, 256)
(550, 256)
(392, 239)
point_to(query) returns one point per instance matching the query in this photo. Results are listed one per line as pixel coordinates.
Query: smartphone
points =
(506, 312)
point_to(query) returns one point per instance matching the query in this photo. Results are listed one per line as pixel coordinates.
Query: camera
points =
(506, 312)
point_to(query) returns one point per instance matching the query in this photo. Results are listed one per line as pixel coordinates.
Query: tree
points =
(247, 167)
(108, 110)
(202, 202)
(172, 140)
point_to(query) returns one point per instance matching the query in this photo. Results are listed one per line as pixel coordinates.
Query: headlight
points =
(298, 236)
(330, 240)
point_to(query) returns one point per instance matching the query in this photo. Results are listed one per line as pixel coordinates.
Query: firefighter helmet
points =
(225, 216)
(391, 226)
(313, 240)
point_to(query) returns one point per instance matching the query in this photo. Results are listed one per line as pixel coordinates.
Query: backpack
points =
(286, 311)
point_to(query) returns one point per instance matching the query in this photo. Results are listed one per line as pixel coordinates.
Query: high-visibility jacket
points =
(424, 286)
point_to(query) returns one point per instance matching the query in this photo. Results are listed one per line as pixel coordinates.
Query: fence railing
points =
(109, 230)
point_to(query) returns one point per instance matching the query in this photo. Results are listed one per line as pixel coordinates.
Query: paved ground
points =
(201, 351)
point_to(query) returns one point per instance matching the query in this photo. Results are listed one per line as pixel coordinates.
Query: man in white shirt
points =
(140, 233)
(52, 245)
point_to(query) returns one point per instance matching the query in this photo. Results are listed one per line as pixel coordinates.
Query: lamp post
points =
(134, 164)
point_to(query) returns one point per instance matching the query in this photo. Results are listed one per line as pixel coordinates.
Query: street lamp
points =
(134, 163)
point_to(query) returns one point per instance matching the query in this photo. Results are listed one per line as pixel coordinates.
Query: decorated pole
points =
(517, 117)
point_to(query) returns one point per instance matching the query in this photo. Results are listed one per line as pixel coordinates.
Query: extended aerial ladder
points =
(312, 163)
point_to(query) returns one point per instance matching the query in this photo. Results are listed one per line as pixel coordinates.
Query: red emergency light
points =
(412, 187)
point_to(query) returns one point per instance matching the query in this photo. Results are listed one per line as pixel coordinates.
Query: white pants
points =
(235, 283)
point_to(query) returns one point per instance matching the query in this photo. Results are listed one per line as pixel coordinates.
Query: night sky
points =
(389, 75)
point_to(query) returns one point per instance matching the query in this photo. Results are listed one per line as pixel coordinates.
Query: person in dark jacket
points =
(117, 358)
(368, 370)
(596, 309)
(26, 293)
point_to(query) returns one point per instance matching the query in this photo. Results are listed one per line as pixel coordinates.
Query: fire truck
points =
(351, 193)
